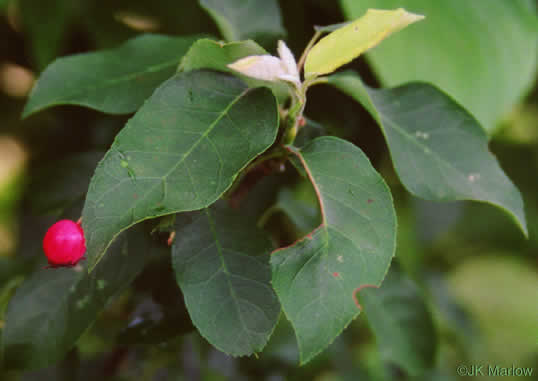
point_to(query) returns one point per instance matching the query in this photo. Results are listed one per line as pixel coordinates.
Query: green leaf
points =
(439, 150)
(209, 54)
(309, 131)
(115, 81)
(353, 39)
(301, 205)
(259, 20)
(52, 308)
(72, 176)
(402, 324)
(46, 26)
(450, 316)
(181, 151)
(316, 277)
(221, 262)
(6, 293)
(160, 316)
(481, 53)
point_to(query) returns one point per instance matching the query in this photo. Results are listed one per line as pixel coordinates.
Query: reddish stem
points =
(358, 289)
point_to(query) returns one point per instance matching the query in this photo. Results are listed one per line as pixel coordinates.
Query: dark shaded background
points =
(476, 270)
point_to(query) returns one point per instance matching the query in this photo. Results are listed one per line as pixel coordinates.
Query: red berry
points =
(64, 244)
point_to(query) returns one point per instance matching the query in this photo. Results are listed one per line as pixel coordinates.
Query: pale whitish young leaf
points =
(53, 307)
(115, 81)
(270, 68)
(266, 67)
(288, 61)
(317, 277)
(351, 40)
(216, 55)
(439, 150)
(259, 20)
(221, 261)
(482, 53)
(181, 151)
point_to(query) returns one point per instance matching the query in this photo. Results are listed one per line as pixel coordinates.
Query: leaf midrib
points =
(382, 117)
(163, 178)
(427, 149)
(386, 122)
(324, 224)
(227, 273)
(104, 84)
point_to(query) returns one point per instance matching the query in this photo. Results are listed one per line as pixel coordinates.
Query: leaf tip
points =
(409, 17)
(27, 111)
(350, 40)
(522, 224)
(288, 60)
(402, 14)
(244, 64)
(269, 68)
(402, 19)
(264, 67)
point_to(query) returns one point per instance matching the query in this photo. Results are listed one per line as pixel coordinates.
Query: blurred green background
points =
(477, 273)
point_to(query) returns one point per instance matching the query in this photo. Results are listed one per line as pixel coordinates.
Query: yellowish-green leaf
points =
(350, 41)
